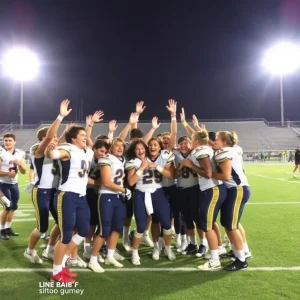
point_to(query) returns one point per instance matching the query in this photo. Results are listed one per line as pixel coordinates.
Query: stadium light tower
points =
(22, 65)
(280, 60)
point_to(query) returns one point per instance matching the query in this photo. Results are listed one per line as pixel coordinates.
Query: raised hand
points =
(88, 120)
(97, 116)
(112, 126)
(155, 124)
(134, 117)
(172, 107)
(64, 111)
(182, 115)
(139, 108)
(53, 144)
(195, 121)
(144, 165)
(69, 126)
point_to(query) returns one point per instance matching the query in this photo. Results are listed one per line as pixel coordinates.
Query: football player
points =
(45, 186)
(146, 169)
(231, 171)
(111, 205)
(211, 195)
(11, 161)
(74, 159)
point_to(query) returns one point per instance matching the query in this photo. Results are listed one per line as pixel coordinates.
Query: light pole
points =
(280, 60)
(22, 65)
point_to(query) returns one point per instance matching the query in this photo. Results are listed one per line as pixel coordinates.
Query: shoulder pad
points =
(167, 155)
(222, 155)
(131, 164)
(201, 152)
(33, 148)
(105, 160)
(65, 146)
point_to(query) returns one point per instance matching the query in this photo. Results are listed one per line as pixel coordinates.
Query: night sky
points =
(206, 54)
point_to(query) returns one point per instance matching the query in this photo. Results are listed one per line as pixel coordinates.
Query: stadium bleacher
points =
(253, 135)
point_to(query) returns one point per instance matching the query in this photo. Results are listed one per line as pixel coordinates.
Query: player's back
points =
(46, 170)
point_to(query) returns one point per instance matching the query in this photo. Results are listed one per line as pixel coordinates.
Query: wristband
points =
(173, 118)
(184, 123)
(110, 136)
(159, 169)
(139, 172)
(60, 118)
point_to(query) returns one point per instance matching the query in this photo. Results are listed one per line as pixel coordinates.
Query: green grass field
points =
(271, 220)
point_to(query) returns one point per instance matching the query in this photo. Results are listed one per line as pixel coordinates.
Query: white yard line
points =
(271, 203)
(133, 269)
(268, 177)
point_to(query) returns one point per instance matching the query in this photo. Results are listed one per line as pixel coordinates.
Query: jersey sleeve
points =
(33, 148)
(222, 155)
(105, 161)
(66, 147)
(201, 153)
(168, 156)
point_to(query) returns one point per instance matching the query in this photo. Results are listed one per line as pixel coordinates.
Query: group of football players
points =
(94, 188)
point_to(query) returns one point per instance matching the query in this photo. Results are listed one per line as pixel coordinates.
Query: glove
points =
(28, 189)
(127, 194)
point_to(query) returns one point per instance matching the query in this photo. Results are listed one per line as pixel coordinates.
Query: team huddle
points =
(94, 188)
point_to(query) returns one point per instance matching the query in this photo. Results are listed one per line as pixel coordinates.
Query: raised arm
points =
(186, 126)
(51, 132)
(139, 109)
(172, 108)
(150, 133)
(112, 127)
(133, 119)
(52, 153)
(90, 122)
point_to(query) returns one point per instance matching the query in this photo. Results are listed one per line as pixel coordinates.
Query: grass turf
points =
(272, 232)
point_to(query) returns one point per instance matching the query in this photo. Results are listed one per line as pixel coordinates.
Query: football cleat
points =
(147, 241)
(201, 251)
(95, 267)
(76, 262)
(211, 265)
(68, 272)
(170, 254)
(135, 259)
(118, 256)
(127, 247)
(10, 232)
(184, 245)
(237, 265)
(103, 251)
(61, 277)
(113, 262)
(33, 257)
(3, 235)
(228, 254)
(48, 255)
(190, 249)
(155, 254)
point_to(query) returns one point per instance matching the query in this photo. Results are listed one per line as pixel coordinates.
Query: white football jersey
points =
(165, 157)
(7, 163)
(46, 170)
(188, 177)
(151, 179)
(117, 171)
(74, 172)
(238, 177)
(201, 153)
(94, 172)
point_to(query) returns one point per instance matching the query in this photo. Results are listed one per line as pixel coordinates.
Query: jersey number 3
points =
(84, 168)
